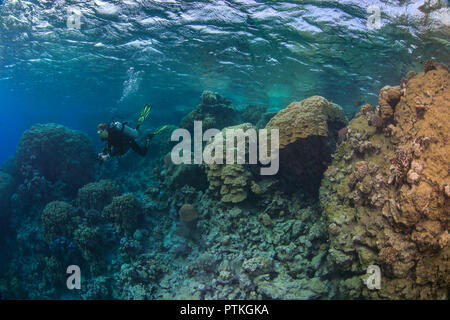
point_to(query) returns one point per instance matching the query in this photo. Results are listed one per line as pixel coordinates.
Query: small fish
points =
(358, 104)
(342, 134)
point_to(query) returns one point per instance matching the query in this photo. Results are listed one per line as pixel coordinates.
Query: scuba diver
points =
(120, 138)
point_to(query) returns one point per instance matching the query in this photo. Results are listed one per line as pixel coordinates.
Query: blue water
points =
(252, 52)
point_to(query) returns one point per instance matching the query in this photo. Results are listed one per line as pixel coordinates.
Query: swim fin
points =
(144, 114)
(160, 129)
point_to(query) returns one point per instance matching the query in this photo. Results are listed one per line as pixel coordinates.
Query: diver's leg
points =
(136, 148)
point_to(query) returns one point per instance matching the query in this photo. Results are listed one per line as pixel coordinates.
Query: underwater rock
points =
(125, 212)
(387, 206)
(58, 154)
(6, 191)
(308, 135)
(97, 195)
(214, 111)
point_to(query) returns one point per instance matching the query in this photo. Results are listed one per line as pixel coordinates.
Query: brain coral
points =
(58, 219)
(374, 217)
(308, 133)
(188, 213)
(97, 195)
(58, 154)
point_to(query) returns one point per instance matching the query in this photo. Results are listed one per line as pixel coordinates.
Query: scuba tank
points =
(129, 132)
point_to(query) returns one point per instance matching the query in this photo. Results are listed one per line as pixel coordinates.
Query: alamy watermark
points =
(374, 20)
(373, 282)
(74, 19)
(233, 146)
(74, 280)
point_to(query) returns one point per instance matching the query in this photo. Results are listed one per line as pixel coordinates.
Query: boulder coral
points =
(188, 213)
(97, 195)
(308, 132)
(58, 154)
(188, 221)
(385, 194)
(58, 219)
(232, 181)
(125, 212)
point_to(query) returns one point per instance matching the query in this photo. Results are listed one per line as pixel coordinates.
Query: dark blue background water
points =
(127, 53)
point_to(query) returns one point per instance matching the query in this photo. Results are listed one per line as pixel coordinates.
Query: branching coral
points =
(400, 165)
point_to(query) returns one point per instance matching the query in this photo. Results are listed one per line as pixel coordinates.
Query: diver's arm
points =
(105, 154)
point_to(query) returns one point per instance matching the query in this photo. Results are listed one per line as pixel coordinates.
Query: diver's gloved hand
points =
(102, 157)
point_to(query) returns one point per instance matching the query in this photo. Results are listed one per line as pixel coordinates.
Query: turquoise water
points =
(80, 63)
(167, 52)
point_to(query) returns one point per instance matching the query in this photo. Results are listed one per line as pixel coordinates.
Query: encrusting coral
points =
(385, 193)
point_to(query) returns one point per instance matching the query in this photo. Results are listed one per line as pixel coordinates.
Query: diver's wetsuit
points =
(118, 143)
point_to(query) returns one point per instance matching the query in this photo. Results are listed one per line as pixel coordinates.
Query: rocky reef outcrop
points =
(308, 132)
(386, 193)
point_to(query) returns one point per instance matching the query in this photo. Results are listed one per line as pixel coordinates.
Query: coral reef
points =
(308, 132)
(233, 181)
(63, 157)
(97, 195)
(7, 187)
(125, 212)
(58, 220)
(214, 112)
(188, 213)
(374, 191)
(178, 176)
(385, 193)
(254, 115)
